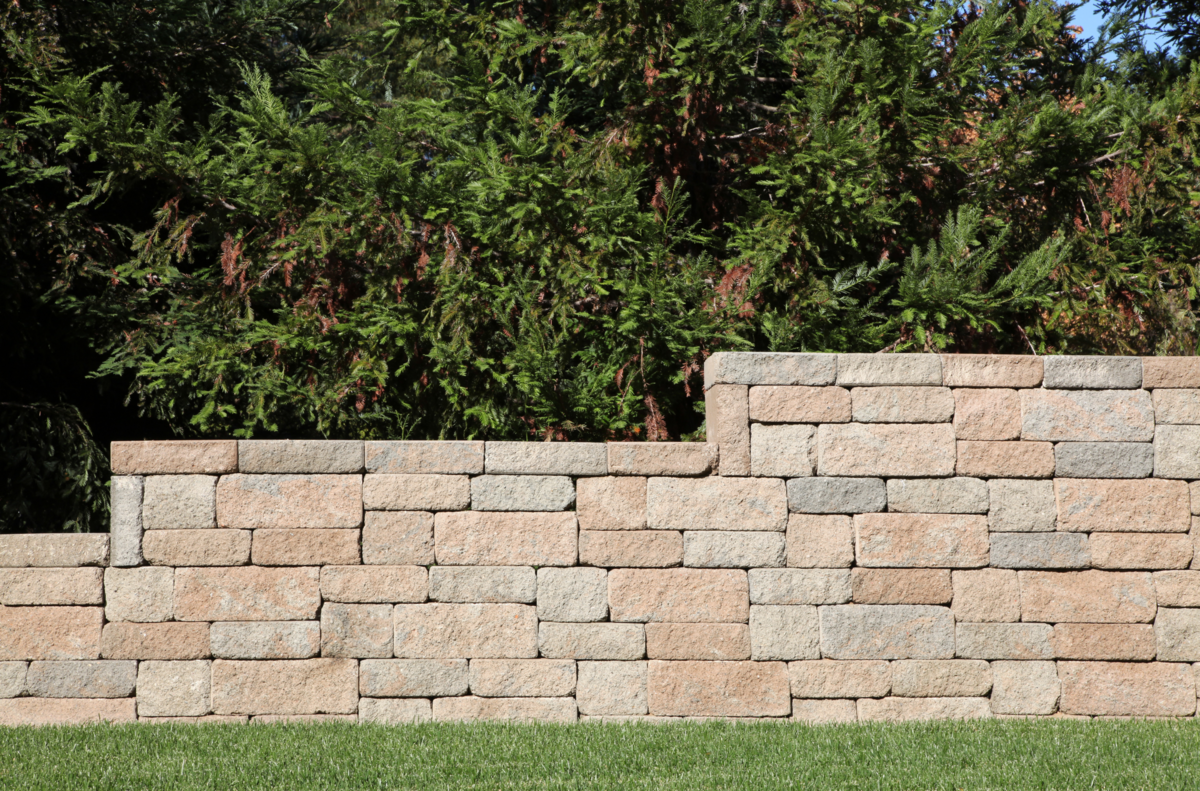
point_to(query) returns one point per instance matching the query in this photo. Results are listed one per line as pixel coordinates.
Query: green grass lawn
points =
(1007, 755)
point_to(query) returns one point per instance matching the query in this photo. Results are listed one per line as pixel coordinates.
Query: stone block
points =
(1024, 688)
(404, 492)
(1177, 588)
(50, 632)
(522, 678)
(824, 712)
(155, 641)
(899, 631)
(986, 595)
(300, 455)
(888, 369)
(661, 458)
(175, 502)
(423, 457)
(197, 547)
(1177, 407)
(174, 689)
(1092, 372)
(942, 678)
(1141, 550)
(1017, 506)
(471, 709)
(288, 686)
(484, 538)
(483, 584)
(1040, 551)
(125, 527)
(69, 711)
(711, 641)
(266, 640)
(902, 404)
(356, 630)
(246, 593)
(617, 688)
(374, 584)
(716, 504)
(1086, 596)
(987, 414)
(1167, 372)
(1130, 506)
(611, 503)
(679, 595)
(53, 550)
(1005, 459)
(12, 678)
(921, 540)
(412, 678)
(1144, 689)
(901, 586)
(522, 493)
(52, 586)
(836, 495)
(180, 457)
(772, 404)
(829, 678)
(923, 709)
(783, 451)
(718, 689)
(1023, 641)
(397, 538)
(1103, 459)
(592, 640)
(730, 549)
(1105, 641)
(89, 679)
(1177, 634)
(546, 458)
(140, 594)
(769, 368)
(289, 501)
(632, 548)
(784, 632)
(394, 712)
(1087, 415)
(991, 370)
(799, 586)
(938, 495)
(332, 546)
(886, 450)
(470, 631)
(575, 595)
(820, 541)
(727, 425)
(1177, 452)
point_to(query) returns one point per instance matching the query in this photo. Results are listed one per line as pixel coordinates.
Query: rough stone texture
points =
(769, 368)
(356, 630)
(12, 678)
(471, 631)
(900, 586)
(522, 678)
(374, 584)
(836, 495)
(308, 547)
(921, 540)
(592, 640)
(1024, 688)
(1103, 459)
(799, 586)
(784, 632)
(246, 593)
(884, 449)
(987, 414)
(1177, 452)
(718, 689)
(197, 547)
(71, 711)
(1086, 596)
(824, 712)
(91, 679)
(53, 550)
(1005, 459)
(173, 502)
(922, 709)
(727, 422)
(546, 458)
(901, 631)
(1150, 689)
(397, 538)
(288, 501)
(991, 370)
(300, 455)
(471, 708)
(1139, 506)
(1141, 550)
(721, 549)
(270, 640)
(679, 595)
(1018, 506)
(142, 594)
(820, 541)
(827, 678)
(482, 538)
(938, 495)
(1177, 588)
(1170, 372)
(800, 404)
(631, 549)
(1177, 633)
(483, 584)
(1177, 407)
(986, 595)
(577, 595)
(155, 641)
(404, 492)
(50, 632)
(521, 493)
(187, 456)
(785, 451)
(1087, 415)
(1039, 551)
(902, 404)
(422, 457)
(301, 686)
(1096, 372)
(719, 641)
(661, 458)
(611, 503)
(412, 678)
(612, 688)
(1105, 641)
(52, 586)
(125, 528)
(394, 712)
(942, 678)
(888, 369)
(716, 504)
(1024, 641)
(174, 689)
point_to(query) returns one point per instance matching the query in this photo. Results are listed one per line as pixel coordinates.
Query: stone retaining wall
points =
(864, 537)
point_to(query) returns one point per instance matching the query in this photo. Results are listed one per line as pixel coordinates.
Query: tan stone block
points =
(471, 708)
(437, 457)
(266, 640)
(892, 450)
(611, 503)
(69, 711)
(522, 678)
(1086, 596)
(289, 686)
(397, 538)
(902, 404)
(416, 492)
(1087, 415)
(937, 495)
(56, 550)
(782, 451)
(592, 640)
(176, 502)
(660, 458)
(50, 632)
(824, 712)
(1177, 588)
(480, 538)
(632, 549)
(1022, 641)
(784, 632)
(289, 501)
(948, 678)
(769, 368)
(986, 595)
(991, 370)
(356, 630)
(923, 709)
(890, 631)
(1150, 689)
(246, 593)
(725, 641)
(733, 549)
(717, 504)
(1140, 551)
(888, 369)
(1024, 688)
(1104, 641)
(12, 678)
(799, 586)
(146, 595)
(829, 678)
(52, 586)
(901, 586)
(472, 631)
(575, 595)
(408, 678)
(1177, 407)
(987, 414)
(164, 457)
(727, 423)
(174, 689)
(1170, 372)
(1175, 452)
(300, 455)
(718, 689)
(921, 540)
(612, 688)
(155, 641)
(74, 679)
(1005, 459)
(820, 541)
(483, 584)
(394, 712)
(522, 493)
(196, 547)
(374, 584)
(679, 595)
(546, 458)
(332, 546)
(1131, 506)
(781, 404)
(1177, 635)
(1021, 506)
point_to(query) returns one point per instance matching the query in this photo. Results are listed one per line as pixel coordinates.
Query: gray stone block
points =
(1024, 688)
(613, 688)
(574, 595)
(142, 595)
(721, 549)
(100, 678)
(1177, 452)
(300, 455)
(178, 502)
(424, 457)
(53, 550)
(12, 678)
(938, 495)
(799, 586)
(1039, 551)
(1092, 373)
(1103, 459)
(1177, 633)
(784, 632)
(1181, 407)
(265, 639)
(125, 531)
(769, 368)
(1019, 506)
(1087, 415)
(174, 689)
(522, 493)
(782, 451)
(547, 458)
(356, 630)
(889, 369)
(483, 584)
(836, 495)
(882, 631)
(1023, 641)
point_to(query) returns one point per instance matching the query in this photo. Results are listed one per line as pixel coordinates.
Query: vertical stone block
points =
(986, 595)
(1177, 632)
(12, 678)
(174, 689)
(718, 689)
(289, 501)
(987, 414)
(144, 594)
(774, 404)
(356, 630)
(1086, 596)
(423, 457)
(921, 540)
(1137, 506)
(470, 631)
(716, 504)
(484, 538)
(397, 538)
(887, 450)
(783, 451)
(612, 688)
(679, 595)
(1150, 689)
(786, 632)
(125, 492)
(727, 423)
(820, 541)
(175, 502)
(991, 370)
(303, 686)
(901, 631)
(611, 503)
(572, 595)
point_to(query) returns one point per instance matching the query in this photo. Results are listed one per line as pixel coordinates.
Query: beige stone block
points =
(356, 630)
(412, 678)
(1021, 506)
(820, 541)
(522, 493)
(727, 425)
(1087, 415)
(546, 458)
(125, 523)
(592, 640)
(572, 595)
(786, 632)
(1024, 688)
(50, 632)
(1177, 588)
(1005, 459)
(612, 688)
(416, 492)
(783, 451)
(718, 689)
(41, 586)
(1104, 641)
(921, 540)
(471, 631)
(824, 712)
(394, 712)
(164, 457)
(717, 504)
(300, 455)
(679, 595)
(733, 549)
(1024, 641)
(196, 547)
(174, 689)
(923, 709)
(1131, 506)
(986, 595)
(991, 370)
(55, 550)
(1170, 372)
(1140, 550)
(522, 678)
(937, 495)
(769, 368)
(884, 449)
(1177, 634)
(781, 404)
(888, 369)
(69, 711)
(12, 678)
(632, 548)
(247, 593)
(175, 502)
(480, 538)
(1086, 596)
(661, 458)
(471, 708)
(710, 641)
(901, 586)
(146, 595)
(902, 404)
(1177, 407)
(332, 546)
(483, 584)
(1175, 452)
(289, 501)
(799, 586)
(892, 631)
(397, 538)
(290, 686)
(987, 414)
(266, 640)
(941, 678)
(424, 457)
(155, 641)
(1144, 689)
(611, 503)
(829, 678)
(374, 584)
(88, 679)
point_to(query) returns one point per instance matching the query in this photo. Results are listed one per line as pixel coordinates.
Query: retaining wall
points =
(864, 537)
